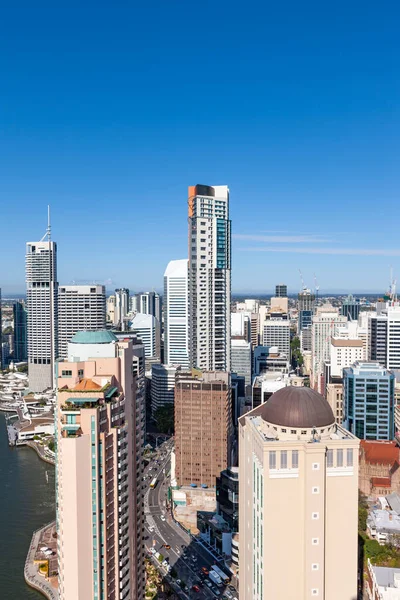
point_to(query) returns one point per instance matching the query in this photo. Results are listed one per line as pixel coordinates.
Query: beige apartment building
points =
(203, 426)
(100, 425)
(334, 397)
(298, 497)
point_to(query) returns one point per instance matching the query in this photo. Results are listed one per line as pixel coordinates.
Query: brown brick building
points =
(379, 473)
(203, 426)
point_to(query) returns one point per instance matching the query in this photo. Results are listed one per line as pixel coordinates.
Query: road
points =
(162, 529)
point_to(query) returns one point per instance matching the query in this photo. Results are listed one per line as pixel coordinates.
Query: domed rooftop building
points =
(296, 412)
(298, 489)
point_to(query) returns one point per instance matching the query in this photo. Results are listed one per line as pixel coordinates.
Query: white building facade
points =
(176, 313)
(162, 386)
(209, 277)
(277, 334)
(42, 313)
(80, 308)
(325, 325)
(147, 328)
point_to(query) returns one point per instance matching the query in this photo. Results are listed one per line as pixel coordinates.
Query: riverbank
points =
(27, 502)
(45, 583)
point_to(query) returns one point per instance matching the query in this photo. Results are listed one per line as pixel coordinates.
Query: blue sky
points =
(108, 111)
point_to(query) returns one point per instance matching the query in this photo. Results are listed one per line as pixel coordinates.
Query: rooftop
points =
(380, 452)
(296, 407)
(94, 337)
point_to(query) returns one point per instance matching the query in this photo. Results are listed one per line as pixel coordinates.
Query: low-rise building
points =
(379, 472)
(383, 583)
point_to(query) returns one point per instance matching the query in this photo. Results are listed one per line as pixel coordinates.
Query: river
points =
(27, 502)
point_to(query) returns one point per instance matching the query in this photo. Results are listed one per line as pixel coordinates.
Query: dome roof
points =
(94, 337)
(297, 407)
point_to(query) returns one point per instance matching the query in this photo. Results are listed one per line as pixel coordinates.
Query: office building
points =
(20, 332)
(350, 308)
(377, 338)
(241, 359)
(334, 397)
(1, 335)
(147, 328)
(325, 325)
(41, 306)
(250, 305)
(368, 397)
(228, 497)
(203, 426)
(298, 474)
(279, 304)
(176, 313)
(100, 434)
(281, 290)
(121, 306)
(343, 353)
(162, 385)
(147, 303)
(240, 326)
(393, 337)
(209, 277)
(277, 334)
(110, 308)
(80, 308)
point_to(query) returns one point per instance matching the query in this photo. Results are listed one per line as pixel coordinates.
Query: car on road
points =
(152, 550)
(215, 590)
(178, 582)
(205, 570)
(232, 588)
(166, 546)
(162, 518)
(151, 528)
(228, 594)
(195, 588)
(208, 584)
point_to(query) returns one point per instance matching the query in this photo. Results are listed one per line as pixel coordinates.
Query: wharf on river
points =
(41, 565)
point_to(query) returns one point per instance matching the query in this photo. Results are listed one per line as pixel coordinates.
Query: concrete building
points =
(20, 353)
(325, 325)
(203, 426)
(80, 308)
(176, 313)
(383, 583)
(162, 385)
(42, 312)
(279, 303)
(393, 337)
(110, 309)
(121, 306)
(334, 397)
(343, 353)
(379, 473)
(281, 290)
(377, 338)
(277, 334)
(148, 303)
(368, 397)
(241, 359)
(298, 473)
(209, 277)
(100, 435)
(350, 308)
(250, 305)
(240, 325)
(147, 328)
(228, 497)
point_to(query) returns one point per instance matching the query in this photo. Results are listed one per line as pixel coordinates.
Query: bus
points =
(223, 576)
(153, 483)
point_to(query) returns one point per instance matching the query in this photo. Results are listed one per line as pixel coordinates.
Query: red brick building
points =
(379, 472)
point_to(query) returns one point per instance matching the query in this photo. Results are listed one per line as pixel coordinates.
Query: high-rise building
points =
(1, 335)
(343, 353)
(298, 469)
(20, 332)
(176, 313)
(228, 497)
(147, 303)
(325, 324)
(377, 338)
(80, 308)
(100, 434)
(111, 300)
(41, 305)
(209, 277)
(241, 359)
(368, 398)
(203, 426)
(393, 337)
(350, 308)
(277, 335)
(121, 306)
(147, 328)
(281, 290)
(162, 385)
(306, 309)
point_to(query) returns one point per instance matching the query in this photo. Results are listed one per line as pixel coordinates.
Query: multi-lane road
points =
(185, 555)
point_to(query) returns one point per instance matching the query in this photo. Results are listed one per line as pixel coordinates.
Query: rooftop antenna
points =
(48, 230)
(316, 287)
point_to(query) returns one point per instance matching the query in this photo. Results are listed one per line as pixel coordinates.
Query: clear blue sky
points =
(109, 110)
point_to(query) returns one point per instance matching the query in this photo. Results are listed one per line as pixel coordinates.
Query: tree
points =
(164, 417)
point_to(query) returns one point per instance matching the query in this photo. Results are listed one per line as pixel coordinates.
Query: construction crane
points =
(302, 281)
(316, 288)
